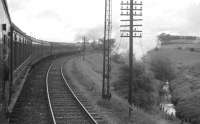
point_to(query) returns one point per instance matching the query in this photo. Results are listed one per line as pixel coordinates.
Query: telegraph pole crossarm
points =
(129, 31)
(140, 9)
(132, 3)
(127, 14)
(128, 20)
(136, 25)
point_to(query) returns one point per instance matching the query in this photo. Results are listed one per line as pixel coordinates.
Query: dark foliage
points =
(162, 68)
(185, 95)
(142, 86)
(112, 42)
(192, 49)
(98, 45)
(117, 58)
(180, 48)
(189, 109)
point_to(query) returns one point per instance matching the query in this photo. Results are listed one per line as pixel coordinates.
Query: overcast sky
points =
(67, 20)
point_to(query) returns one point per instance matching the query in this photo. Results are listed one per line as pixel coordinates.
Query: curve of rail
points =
(63, 102)
(49, 101)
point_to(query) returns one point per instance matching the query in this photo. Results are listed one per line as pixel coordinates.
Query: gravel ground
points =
(32, 107)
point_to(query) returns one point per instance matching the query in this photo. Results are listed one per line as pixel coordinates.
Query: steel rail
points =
(77, 99)
(48, 96)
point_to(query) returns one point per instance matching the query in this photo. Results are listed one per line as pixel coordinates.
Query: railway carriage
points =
(21, 50)
(21, 47)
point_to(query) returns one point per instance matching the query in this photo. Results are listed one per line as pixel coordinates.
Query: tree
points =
(162, 68)
(117, 58)
(189, 109)
(112, 42)
(96, 45)
(142, 85)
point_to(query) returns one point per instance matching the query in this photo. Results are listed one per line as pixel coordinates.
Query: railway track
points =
(67, 105)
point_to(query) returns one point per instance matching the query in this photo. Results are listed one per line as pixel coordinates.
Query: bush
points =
(142, 86)
(156, 49)
(180, 48)
(117, 58)
(162, 68)
(189, 109)
(185, 96)
(192, 49)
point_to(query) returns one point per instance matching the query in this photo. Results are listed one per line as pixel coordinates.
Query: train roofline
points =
(5, 5)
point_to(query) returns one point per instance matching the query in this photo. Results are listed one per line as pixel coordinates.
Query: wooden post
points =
(106, 50)
(132, 10)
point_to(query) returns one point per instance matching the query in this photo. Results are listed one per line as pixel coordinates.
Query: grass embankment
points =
(87, 75)
(186, 86)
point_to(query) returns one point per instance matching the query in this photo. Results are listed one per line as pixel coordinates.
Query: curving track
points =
(64, 103)
(67, 105)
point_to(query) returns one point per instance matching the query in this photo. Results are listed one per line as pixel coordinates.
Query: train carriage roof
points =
(5, 5)
(18, 30)
(42, 42)
(34, 40)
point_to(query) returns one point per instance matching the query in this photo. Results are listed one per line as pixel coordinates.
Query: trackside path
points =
(31, 106)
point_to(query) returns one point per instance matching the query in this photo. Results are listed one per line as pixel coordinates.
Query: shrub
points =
(142, 85)
(189, 109)
(180, 48)
(192, 49)
(156, 49)
(117, 58)
(162, 68)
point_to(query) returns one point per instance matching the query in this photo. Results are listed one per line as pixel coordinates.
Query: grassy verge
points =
(87, 77)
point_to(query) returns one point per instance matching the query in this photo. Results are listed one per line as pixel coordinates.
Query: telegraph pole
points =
(132, 10)
(106, 50)
(84, 47)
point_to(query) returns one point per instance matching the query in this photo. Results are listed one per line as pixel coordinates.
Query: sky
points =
(68, 20)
